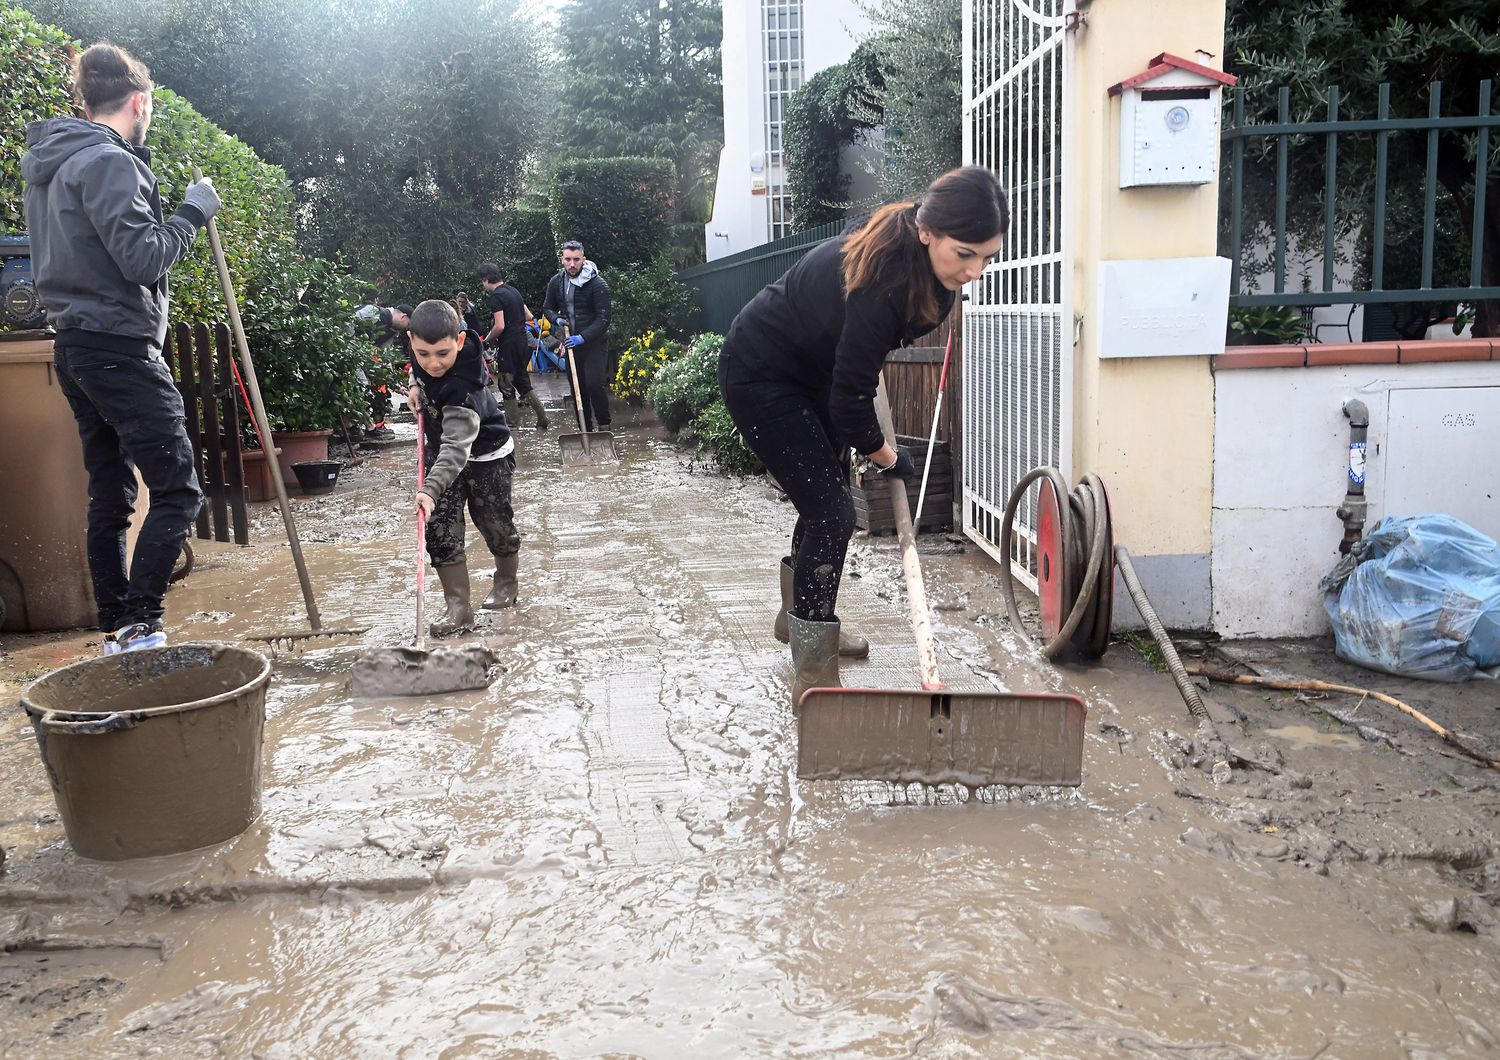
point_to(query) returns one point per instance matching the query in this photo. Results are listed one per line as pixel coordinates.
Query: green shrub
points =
(720, 438)
(297, 315)
(685, 387)
(34, 67)
(639, 363)
(648, 298)
(620, 209)
(529, 251)
(256, 224)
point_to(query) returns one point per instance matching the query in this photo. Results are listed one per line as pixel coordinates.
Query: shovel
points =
(933, 735)
(585, 447)
(415, 671)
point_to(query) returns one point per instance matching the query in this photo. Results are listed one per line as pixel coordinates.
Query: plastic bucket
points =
(317, 476)
(153, 752)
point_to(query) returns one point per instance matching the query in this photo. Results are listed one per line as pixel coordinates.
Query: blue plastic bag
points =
(1419, 596)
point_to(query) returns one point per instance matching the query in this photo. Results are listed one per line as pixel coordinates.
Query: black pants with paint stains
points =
(788, 427)
(130, 416)
(484, 486)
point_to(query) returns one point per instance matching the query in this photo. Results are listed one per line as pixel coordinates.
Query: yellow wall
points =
(1144, 425)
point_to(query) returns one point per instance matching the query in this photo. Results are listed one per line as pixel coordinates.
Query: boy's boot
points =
(850, 647)
(460, 616)
(503, 594)
(535, 401)
(815, 655)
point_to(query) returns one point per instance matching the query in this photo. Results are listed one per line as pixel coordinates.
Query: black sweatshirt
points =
(803, 330)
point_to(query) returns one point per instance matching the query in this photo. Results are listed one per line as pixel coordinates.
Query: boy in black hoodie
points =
(469, 454)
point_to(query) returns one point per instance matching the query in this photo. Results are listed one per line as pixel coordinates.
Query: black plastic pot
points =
(317, 476)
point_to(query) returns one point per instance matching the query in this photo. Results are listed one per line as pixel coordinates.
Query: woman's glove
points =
(902, 467)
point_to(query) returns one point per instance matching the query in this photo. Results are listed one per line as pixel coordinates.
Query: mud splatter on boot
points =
(815, 655)
(503, 593)
(460, 613)
(850, 646)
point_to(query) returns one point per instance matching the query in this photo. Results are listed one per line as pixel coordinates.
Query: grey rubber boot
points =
(815, 655)
(850, 647)
(460, 616)
(535, 401)
(503, 593)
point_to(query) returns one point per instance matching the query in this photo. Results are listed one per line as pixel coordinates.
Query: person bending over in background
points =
(578, 297)
(468, 452)
(101, 251)
(799, 371)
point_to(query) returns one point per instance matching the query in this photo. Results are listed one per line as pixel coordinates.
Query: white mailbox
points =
(1169, 123)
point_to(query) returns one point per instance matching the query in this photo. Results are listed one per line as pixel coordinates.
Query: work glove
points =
(202, 197)
(573, 340)
(903, 468)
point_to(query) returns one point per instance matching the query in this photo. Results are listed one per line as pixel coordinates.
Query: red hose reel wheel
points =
(1052, 568)
(1071, 529)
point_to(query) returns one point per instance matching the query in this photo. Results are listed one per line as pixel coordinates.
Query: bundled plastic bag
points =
(1419, 596)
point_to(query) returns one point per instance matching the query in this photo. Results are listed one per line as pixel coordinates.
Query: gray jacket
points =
(99, 246)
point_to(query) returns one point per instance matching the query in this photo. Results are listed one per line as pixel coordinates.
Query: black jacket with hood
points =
(99, 246)
(590, 303)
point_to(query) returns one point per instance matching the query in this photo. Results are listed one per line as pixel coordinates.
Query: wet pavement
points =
(606, 853)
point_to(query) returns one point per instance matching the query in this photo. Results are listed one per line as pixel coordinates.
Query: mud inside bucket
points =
(153, 752)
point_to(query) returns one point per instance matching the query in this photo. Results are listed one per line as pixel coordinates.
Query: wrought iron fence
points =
(1364, 219)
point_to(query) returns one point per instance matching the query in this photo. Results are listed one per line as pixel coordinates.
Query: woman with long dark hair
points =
(800, 368)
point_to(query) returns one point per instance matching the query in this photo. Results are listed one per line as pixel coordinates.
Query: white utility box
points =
(1163, 307)
(1440, 446)
(1169, 123)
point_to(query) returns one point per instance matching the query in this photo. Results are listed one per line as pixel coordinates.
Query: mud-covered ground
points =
(607, 853)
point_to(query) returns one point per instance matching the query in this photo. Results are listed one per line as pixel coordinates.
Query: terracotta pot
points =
(258, 484)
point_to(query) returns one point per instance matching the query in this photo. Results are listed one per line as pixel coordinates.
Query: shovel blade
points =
(971, 738)
(413, 672)
(592, 447)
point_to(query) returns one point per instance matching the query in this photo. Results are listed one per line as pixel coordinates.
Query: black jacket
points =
(98, 242)
(590, 307)
(803, 330)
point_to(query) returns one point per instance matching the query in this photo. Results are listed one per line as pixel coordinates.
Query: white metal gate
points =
(1018, 335)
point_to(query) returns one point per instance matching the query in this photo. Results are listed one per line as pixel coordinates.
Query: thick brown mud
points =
(606, 851)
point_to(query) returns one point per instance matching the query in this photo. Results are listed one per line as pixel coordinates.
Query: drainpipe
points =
(1352, 511)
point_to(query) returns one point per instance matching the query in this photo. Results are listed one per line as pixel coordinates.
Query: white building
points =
(770, 48)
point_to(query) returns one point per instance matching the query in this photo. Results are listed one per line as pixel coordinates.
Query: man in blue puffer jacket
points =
(101, 251)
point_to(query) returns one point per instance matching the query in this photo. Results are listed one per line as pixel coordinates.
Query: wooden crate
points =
(872, 499)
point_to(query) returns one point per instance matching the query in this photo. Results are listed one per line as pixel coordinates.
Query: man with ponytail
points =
(101, 249)
(800, 367)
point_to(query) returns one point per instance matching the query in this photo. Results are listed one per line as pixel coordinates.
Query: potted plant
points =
(1265, 325)
(307, 358)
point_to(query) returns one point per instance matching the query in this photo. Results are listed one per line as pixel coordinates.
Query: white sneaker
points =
(139, 636)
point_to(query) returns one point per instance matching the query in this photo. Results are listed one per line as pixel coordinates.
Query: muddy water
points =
(606, 852)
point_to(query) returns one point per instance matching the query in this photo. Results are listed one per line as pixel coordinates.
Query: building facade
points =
(770, 48)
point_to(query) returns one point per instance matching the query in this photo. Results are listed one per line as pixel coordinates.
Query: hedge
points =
(256, 223)
(530, 252)
(620, 209)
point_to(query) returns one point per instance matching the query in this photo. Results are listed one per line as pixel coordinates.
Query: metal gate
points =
(1018, 335)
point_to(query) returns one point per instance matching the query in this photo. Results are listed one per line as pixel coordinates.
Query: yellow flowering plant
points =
(639, 362)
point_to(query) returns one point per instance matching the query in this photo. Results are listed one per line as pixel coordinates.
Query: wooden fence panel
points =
(198, 358)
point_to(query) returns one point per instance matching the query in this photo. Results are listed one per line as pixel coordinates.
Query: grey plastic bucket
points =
(153, 752)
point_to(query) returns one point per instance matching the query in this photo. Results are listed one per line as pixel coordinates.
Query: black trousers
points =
(518, 363)
(593, 376)
(787, 426)
(130, 416)
(484, 486)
